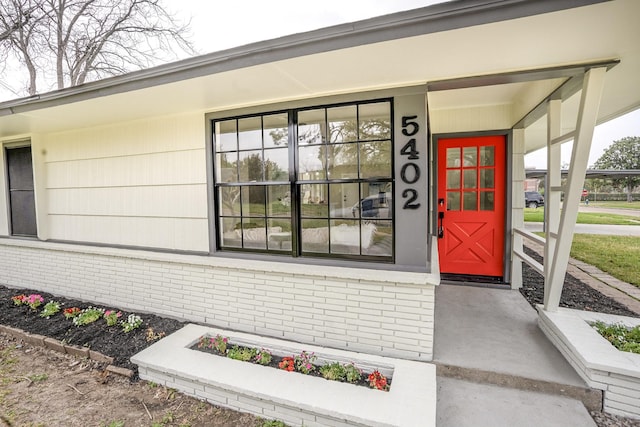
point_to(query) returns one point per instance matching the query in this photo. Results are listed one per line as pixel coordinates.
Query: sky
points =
(218, 25)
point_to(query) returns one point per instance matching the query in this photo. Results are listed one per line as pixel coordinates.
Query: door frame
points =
(433, 196)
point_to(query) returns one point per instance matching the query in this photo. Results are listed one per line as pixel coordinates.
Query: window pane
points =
(453, 157)
(311, 162)
(486, 200)
(375, 121)
(342, 124)
(278, 201)
(315, 235)
(486, 178)
(311, 127)
(250, 166)
(279, 235)
(226, 138)
(343, 199)
(254, 233)
(229, 198)
(470, 156)
(342, 160)
(345, 237)
(487, 156)
(470, 178)
(375, 159)
(253, 201)
(276, 130)
(377, 239)
(227, 167)
(312, 200)
(470, 201)
(453, 201)
(376, 201)
(231, 233)
(276, 164)
(453, 179)
(249, 133)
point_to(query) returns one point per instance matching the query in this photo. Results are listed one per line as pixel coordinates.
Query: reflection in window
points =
(342, 181)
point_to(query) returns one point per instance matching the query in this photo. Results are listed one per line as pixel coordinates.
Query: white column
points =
(587, 115)
(517, 205)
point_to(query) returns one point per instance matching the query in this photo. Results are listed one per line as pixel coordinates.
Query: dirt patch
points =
(40, 387)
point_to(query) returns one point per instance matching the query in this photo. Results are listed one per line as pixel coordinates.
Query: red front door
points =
(471, 193)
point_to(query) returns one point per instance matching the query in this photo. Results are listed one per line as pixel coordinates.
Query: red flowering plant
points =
(34, 301)
(304, 362)
(19, 299)
(377, 380)
(71, 312)
(111, 316)
(287, 364)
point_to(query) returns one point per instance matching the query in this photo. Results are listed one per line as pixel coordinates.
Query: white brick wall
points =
(379, 312)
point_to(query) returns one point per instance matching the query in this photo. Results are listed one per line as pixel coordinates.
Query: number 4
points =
(409, 149)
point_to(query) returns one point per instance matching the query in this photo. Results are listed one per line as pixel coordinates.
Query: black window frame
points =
(295, 184)
(21, 224)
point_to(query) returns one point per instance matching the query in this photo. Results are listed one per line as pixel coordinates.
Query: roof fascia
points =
(431, 19)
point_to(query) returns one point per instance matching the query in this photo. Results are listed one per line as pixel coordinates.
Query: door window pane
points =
(453, 157)
(486, 178)
(486, 201)
(453, 179)
(470, 179)
(226, 137)
(250, 133)
(453, 201)
(275, 130)
(374, 121)
(487, 156)
(470, 155)
(470, 201)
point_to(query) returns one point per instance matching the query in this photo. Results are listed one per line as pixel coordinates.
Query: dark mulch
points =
(110, 341)
(575, 294)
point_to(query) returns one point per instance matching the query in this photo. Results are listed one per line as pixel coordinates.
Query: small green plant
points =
(71, 312)
(333, 371)
(115, 424)
(88, 315)
(50, 308)
(38, 377)
(217, 343)
(34, 301)
(273, 423)
(112, 316)
(133, 322)
(352, 373)
(153, 336)
(621, 337)
(19, 299)
(263, 357)
(241, 353)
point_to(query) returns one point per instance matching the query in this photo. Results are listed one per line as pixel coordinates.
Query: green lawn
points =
(616, 255)
(537, 215)
(623, 205)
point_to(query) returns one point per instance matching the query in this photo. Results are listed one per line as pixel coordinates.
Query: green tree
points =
(622, 154)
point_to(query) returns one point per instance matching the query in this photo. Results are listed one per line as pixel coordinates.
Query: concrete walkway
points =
(604, 229)
(496, 367)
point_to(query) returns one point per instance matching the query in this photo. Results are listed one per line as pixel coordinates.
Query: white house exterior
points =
(316, 187)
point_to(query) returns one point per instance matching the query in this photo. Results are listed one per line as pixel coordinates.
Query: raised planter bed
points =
(293, 398)
(599, 363)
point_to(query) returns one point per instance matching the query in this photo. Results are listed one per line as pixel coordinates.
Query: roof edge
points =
(430, 19)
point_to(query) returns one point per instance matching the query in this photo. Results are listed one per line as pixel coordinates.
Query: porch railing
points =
(519, 252)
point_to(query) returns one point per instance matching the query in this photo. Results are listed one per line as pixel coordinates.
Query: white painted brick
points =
(635, 392)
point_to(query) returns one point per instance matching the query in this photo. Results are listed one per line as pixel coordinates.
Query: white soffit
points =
(586, 34)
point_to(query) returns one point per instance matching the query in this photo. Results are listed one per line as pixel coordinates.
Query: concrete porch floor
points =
(495, 366)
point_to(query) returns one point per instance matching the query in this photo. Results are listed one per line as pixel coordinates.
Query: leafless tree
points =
(70, 42)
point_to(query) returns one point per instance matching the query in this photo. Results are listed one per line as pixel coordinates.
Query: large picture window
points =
(314, 181)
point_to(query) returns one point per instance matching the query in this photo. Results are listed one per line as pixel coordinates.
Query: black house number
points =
(410, 171)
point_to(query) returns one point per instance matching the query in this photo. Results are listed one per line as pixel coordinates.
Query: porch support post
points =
(587, 115)
(517, 205)
(552, 182)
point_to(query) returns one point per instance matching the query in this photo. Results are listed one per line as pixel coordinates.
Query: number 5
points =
(409, 121)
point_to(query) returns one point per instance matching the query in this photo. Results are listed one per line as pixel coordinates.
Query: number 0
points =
(416, 173)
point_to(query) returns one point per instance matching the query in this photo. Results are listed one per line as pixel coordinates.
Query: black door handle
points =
(440, 226)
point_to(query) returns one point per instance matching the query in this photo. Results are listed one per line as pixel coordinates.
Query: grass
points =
(617, 205)
(619, 336)
(617, 255)
(537, 215)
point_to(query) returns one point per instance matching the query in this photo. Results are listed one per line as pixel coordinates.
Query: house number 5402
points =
(410, 171)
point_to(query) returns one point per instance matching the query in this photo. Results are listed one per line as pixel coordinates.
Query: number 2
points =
(413, 196)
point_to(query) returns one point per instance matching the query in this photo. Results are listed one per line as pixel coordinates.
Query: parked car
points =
(376, 206)
(533, 199)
